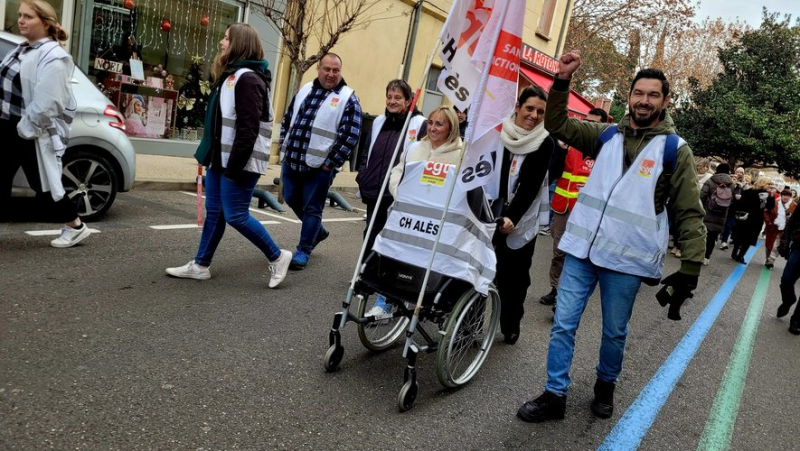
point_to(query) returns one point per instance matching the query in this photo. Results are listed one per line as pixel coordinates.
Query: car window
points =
(5, 47)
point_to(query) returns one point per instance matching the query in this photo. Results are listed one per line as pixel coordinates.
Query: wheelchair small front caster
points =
(333, 357)
(407, 395)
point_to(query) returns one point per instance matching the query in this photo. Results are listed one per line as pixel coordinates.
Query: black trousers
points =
(711, 240)
(381, 214)
(21, 153)
(512, 280)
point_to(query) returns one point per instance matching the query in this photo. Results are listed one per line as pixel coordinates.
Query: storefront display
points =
(156, 53)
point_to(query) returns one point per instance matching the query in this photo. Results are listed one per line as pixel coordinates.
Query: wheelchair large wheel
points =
(379, 335)
(469, 334)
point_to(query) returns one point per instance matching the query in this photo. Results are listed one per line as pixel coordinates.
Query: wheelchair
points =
(464, 320)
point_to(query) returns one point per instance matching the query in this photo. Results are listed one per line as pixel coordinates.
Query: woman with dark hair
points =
(750, 217)
(527, 148)
(36, 110)
(235, 150)
(382, 140)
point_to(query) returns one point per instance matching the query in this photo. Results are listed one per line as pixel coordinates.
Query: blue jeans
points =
(305, 193)
(726, 232)
(229, 201)
(617, 294)
(790, 275)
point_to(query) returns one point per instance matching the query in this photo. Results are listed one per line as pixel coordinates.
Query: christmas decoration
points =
(166, 25)
(204, 20)
(169, 82)
(193, 97)
(128, 4)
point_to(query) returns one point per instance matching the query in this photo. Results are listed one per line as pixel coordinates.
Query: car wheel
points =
(90, 182)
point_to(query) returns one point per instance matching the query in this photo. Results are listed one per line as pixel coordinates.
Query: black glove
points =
(677, 289)
(783, 249)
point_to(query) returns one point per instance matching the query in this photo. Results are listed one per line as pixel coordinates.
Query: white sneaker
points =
(723, 246)
(279, 268)
(677, 253)
(70, 237)
(705, 262)
(376, 311)
(190, 270)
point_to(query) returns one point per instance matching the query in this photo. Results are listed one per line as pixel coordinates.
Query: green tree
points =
(750, 113)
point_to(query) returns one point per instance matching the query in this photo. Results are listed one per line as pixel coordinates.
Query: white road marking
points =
(344, 219)
(195, 226)
(282, 218)
(51, 232)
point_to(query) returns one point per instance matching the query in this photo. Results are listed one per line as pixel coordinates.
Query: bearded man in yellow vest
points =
(577, 168)
(617, 233)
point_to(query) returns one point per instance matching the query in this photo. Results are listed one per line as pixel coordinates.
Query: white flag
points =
(462, 30)
(498, 50)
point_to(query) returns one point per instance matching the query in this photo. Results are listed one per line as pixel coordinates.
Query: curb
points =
(177, 185)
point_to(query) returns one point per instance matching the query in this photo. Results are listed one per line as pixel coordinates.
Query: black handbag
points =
(742, 215)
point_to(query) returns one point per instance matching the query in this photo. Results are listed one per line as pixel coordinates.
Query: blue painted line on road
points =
(637, 420)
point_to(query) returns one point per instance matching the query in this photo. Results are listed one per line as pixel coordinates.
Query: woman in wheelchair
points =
(527, 149)
(442, 144)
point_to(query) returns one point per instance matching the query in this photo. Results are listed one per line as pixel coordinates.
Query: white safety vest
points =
(538, 214)
(465, 248)
(227, 103)
(414, 126)
(325, 128)
(614, 222)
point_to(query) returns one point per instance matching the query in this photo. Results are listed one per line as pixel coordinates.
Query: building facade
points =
(159, 53)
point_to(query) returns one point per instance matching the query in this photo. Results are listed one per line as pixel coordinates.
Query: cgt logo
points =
(647, 168)
(435, 173)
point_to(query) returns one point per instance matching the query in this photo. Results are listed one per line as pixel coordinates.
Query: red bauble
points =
(204, 20)
(166, 25)
(129, 4)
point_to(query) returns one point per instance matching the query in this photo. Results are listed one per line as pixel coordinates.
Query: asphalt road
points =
(100, 350)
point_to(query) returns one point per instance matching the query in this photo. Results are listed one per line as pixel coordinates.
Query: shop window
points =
(546, 18)
(153, 60)
(12, 8)
(433, 96)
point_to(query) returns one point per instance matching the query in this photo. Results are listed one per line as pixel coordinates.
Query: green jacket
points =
(681, 189)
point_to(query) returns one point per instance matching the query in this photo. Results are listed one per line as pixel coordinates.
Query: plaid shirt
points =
(348, 132)
(11, 102)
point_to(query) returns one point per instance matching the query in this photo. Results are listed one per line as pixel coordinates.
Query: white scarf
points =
(520, 141)
(780, 221)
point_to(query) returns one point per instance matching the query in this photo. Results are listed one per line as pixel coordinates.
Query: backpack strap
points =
(606, 136)
(670, 154)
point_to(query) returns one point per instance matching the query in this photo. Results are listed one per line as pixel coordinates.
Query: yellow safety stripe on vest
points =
(574, 178)
(567, 194)
(442, 248)
(617, 212)
(436, 215)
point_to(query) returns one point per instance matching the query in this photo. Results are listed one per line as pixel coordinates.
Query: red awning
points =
(578, 105)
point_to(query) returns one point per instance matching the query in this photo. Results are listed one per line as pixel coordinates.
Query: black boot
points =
(549, 298)
(603, 402)
(794, 327)
(548, 406)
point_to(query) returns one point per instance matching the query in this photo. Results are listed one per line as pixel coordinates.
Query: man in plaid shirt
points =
(319, 130)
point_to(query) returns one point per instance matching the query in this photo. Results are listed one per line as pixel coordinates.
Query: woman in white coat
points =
(36, 109)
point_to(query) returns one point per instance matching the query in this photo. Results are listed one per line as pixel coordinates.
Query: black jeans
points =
(711, 239)
(790, 275)
(22, 153)
(513, 279)
(381, 214)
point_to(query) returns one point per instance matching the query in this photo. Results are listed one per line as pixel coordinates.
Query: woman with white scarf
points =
(527, 149)
(776, 221)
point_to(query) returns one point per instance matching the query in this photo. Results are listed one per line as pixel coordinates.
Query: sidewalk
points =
(162, 173)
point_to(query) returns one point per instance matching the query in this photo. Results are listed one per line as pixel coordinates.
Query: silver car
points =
(100, 160)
